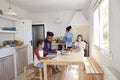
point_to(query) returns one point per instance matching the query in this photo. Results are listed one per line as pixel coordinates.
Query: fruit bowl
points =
(18, 42)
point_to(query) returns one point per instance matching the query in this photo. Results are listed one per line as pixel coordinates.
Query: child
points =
(38, 54)
(79, 42)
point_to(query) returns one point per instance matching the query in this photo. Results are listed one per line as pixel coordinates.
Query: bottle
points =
(66, 46)
(58, 54)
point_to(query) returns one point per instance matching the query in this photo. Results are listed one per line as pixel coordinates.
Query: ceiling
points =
(50, 5)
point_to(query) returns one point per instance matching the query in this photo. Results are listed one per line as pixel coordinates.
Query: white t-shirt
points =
(79, 45)
(36, 61)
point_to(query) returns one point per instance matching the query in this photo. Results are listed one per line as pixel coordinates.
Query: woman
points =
(67, 39)
(79, 44)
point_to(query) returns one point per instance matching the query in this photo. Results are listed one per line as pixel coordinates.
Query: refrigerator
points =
(38, 33)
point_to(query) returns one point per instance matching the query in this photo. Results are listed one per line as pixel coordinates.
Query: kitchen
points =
(78, 14)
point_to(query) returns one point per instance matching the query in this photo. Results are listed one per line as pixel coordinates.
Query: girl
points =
(38, 54)
(79, 44)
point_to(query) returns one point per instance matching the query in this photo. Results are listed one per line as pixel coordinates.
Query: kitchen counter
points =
(6, 51)
(22, 46)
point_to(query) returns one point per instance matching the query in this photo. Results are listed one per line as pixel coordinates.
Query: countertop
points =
(6, 51)
(22, 46)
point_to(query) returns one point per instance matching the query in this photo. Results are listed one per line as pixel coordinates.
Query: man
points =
(48, 49)
(47, 44)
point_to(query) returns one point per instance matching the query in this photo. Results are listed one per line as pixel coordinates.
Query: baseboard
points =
(115, 72)
(110, 73)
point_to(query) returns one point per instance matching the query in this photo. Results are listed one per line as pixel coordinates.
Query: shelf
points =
(10, 32)
(9, 18)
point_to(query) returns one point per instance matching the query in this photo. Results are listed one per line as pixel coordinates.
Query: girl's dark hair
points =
(68, 28)
(39, 42)
(79, 36)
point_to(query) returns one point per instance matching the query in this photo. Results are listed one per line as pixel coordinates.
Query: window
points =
(101, 25)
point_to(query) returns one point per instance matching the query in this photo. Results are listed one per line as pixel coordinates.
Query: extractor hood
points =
(79, 19)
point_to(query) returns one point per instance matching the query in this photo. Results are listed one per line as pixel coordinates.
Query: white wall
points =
(48, 18)
(114, 36)
(21, 13)
(83, 30)
(79, 19)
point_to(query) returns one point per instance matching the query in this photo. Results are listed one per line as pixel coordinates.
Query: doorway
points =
(38, 33)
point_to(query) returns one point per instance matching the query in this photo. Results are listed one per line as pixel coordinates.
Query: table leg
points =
(82, 71)
(45, 71)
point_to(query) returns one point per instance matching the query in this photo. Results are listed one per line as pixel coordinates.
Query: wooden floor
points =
(67, 73)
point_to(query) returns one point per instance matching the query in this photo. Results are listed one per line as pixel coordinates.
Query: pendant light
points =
(10, 12)
(57, 18)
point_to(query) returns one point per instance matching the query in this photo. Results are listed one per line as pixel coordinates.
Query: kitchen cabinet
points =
(7, 68)
(21, 59)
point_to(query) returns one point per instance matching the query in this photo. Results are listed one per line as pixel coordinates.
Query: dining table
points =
(73, 58)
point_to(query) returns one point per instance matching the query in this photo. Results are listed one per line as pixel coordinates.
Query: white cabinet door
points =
(7, 68)
(19, 61)
(25, 56)
(24, 32)
(10, 67)
(22, 59)
(1, 70)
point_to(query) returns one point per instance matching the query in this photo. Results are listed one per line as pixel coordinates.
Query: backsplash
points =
(6, 23)
(4, 37)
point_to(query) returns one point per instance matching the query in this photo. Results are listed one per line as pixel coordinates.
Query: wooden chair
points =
(35, 72)
(93, 71)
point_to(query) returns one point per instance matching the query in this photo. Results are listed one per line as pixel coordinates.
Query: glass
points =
(58, 54)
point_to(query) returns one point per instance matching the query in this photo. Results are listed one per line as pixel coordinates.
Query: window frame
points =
(104, 51)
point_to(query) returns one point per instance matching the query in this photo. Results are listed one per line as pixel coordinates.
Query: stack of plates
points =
(65, 52)
(51, 56)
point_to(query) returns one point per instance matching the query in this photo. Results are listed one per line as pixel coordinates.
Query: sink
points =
(6, 52)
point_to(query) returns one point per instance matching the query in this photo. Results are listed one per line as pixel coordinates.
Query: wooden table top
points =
(74, 56)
